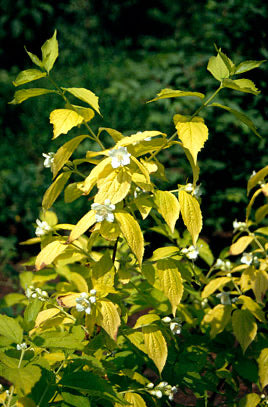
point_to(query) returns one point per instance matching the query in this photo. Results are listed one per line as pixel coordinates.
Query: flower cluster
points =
(191, 252)
(239, 226)
(84, 301)
(174, 325)
(42, 228)
(32, 292)
(162, 389)
(21, 346)
(49, 158)
(120, 157)
(104, 211)
(196, 191)
(224, 265)
(248, 258)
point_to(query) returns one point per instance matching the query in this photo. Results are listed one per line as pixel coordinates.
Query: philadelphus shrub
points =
(104, 324)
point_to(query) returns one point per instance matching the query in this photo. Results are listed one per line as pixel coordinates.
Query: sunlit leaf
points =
(28, 76)
(170, 93)
(191, 214)
(168, 206)
(50, 52)
(86, 96)
(244, 326)
(24, 94)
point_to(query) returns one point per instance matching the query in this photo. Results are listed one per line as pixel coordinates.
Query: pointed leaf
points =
(156, 347)
(108, 318)
(146, 320)
(28, 76)
(138, 137)
(217, 67)
(191, 214)
(193, 136)
(256, 178)
(250, 400)
(45, 315)
(34, 59)
(214, 285)
(168, 206)
(116, 186)
(242, 85)
(102, 169)
(64, 153)
(132, 233)
(240, 116)
(49, 253)
(54, 190)
(135, 400)
(244, 326)
(72, 192)
(240, 245)
(249, 304)
(248, 66)
(25, 94)
(64, 120)
(50, 52)
(83, 225)
(86, 96)
(116, 135)
(263, 367)
(170, 93)
(218, 317)
(23, 378)
(170, 282)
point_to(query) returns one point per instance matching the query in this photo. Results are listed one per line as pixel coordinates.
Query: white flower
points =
(167, 320)
(21, 346)
(84, 301)
(191, 252)
(196, 191)
(175, 328)
(239, 226)
(224, 298)
(120, 157)
(104, 211)
(162, 384)
(223, 265)
(32, 292)
(93, 291)
(158, 394)
(173, 391)
(49, 158)
(42, 228)
(247, 258)
(148, 139)
(150, 386)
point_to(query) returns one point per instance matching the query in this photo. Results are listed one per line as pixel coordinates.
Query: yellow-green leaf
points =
(72, 192)
(64, 120)
(49, 253)
(146, 320)
(25, 94)
(193, 136)
(137, 339)
(104, 167)
(144, 205)
(45, 315)
(217, 67)
(263, 367)
(135, 400)
(191, 214)
(170, 282)
(260, 284)
(28, 76)
(244, 326)
(86, 96)
(156, 347)
(34, 58)
(79, 282)
(116, 135)
(256, 178)
(214, 285)
(85, 112)
(50, 52)
(132, 233)
(64, 153)
(103, 271)
(251, 202)
(108, 317)
(240, 245)
(242, 85)
(170, 93)
(168, 206)
(138, 137)
(250, 400)
(116, 187)
(54, 190)
(248, 66)
(83, 225)
(218, 317)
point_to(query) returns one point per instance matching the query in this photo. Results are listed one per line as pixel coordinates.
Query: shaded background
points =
(126, 52)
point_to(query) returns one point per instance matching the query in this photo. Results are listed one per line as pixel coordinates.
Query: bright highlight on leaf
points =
(170, 93)
(193, 136)
(28, 76)
(86, 96)
(168, 206)
(191, 214)
(64, 120)
(50, 52)
(49, 253)
(156, 347)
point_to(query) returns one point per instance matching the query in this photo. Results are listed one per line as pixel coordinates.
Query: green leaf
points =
(244, 326)
(255, 179)
(263, 367)
(170, 282)
(214, 285)
(31, 312)
(164, 252)
(24, 94)
(170, 93)
(240, 116)
(94, 385)
(217, 67)
(75, 400)
(64, 153)
(204, 252)
(242, 85)
(156, 347)
(23, 378)
(248, 66)
(49, 253)
(240, 245)
(218, 317)
(83, 225)
(146, 320)
(261, 213)
(108, 318)
(250, 400)
(34, 59)
(64, 340)
(50, 52)
(86, 96)
(249, 304)
(193, 135)
(168, 206)
(55, 189)
(132, 233)
(11, 329)
(72, 192)
(28, 76)
(191, 214)
(135, 400)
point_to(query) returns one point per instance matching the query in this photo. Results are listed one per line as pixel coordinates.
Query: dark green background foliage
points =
(126, 52)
